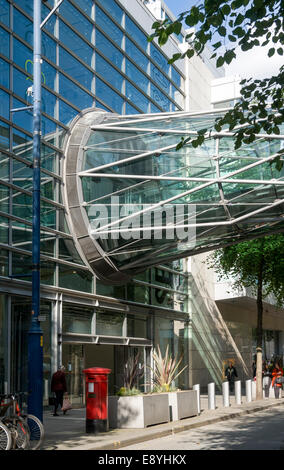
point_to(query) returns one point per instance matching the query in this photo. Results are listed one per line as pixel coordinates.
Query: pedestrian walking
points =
(231, 374)
(267, 378)
(59, 387)
(277, 379)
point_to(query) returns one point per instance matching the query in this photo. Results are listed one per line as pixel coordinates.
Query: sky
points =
(254, 63)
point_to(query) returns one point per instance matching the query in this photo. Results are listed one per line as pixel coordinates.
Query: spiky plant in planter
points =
(132, 373)
(165, 370)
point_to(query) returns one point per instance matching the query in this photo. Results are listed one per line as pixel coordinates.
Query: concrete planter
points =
(138, 411)
(183, 404)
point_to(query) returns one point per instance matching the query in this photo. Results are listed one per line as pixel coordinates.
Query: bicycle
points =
(18, 430)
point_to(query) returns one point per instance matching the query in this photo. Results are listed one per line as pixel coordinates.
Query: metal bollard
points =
(197, 387)
(211, 396)
(226, 394)
(248, 391)
(238, 392)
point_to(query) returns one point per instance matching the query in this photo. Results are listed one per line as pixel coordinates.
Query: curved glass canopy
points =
(135, 201)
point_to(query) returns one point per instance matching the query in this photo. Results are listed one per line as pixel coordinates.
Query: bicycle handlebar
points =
(12, 395)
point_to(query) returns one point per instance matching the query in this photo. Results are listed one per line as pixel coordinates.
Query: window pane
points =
(23, 56)
(86, 6)
(160, 79)
(136, 33)
(74, 43)
(49, 75)
(26, 5)
(136, 97)
(75, 69)
(66, 113)
(4, 73)
(136, 55)
(108, 49)
(76, 19)
(4, 43)
(109, 27)
(114, 10)
(4, 12)
(73, 93)
(48, 103)
(109, 324)
(4, 104)
(135, 75)
(176, 77)
(24, 26)
(75, 279)
(137, 326)
(23, 119)
(160, 60)
(4, 135)
(48, 48)
(109, 73)
(160, 98)
(77, 319)
(107, 95)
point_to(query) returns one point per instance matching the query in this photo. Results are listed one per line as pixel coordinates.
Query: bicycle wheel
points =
(19, 432)
(5, 438)
(36, 431)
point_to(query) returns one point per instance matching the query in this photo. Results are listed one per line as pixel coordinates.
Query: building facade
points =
(95, 55)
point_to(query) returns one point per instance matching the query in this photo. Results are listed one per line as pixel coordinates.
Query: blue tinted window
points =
(135, 33)
(136, 55)
(21, 83)
(23, 119)
(158, 57)
(48, 47)
(4, 12)
(176, 77)
(130, 110)
(75, 69)
(66, 113)
(23, 56)
(48, 129)
(4, 73)
(4, 43)
(107, 95)
(135, 75)
(177, 96)
(4, 104)
(4, 135)
(48, 75)
(76, 19)
(86, 6)
(109, 73)
(160, 98)
(160, 79)
(73, 93)
(154, 109)
(24, 26)
(76, 44)
(100, 105)
(109, 27)
(108, 49)
(48, 102)
(26, 5)
(136, 97)
(113, 9)
(51, 23)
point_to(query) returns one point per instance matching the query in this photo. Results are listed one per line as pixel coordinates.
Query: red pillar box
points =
(96, 399)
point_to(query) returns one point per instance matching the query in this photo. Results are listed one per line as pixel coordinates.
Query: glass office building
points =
(95, 54)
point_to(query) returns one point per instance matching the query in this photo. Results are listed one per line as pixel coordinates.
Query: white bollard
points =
(197, 387)
(248, 391)
(238, 392)
(226, 394)
(211, 396)
(253, 390)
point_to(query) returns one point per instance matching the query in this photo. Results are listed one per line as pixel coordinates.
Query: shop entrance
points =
(77, 357)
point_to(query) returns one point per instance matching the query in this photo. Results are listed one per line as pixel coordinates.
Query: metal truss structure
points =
(128, 169)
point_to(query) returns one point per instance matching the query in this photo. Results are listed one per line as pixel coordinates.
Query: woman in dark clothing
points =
(231, 374)
(58, 386)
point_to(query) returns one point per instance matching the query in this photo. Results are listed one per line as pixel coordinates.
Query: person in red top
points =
(277, 375)
(59, 387)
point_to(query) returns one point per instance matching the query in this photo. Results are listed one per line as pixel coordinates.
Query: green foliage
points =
(245, 24)
(128, 392)
(165, 370)
(243, 260)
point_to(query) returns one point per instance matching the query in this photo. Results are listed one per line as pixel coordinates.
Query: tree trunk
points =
(259, 392)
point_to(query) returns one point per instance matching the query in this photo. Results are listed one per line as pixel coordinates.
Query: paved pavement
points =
(68, 432)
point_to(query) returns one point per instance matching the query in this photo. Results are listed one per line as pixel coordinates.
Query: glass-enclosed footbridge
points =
(134, 201)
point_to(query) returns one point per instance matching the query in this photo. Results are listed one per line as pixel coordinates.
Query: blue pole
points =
(35, 335)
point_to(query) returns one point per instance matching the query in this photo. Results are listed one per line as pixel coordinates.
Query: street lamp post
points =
(35, 335)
